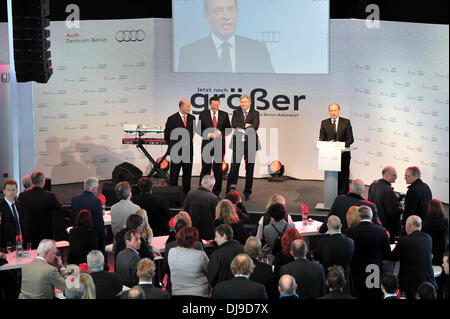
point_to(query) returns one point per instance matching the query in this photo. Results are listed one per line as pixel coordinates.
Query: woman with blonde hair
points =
(226, 214)
(89, 286)
(265, 219)
(146, 230)
(352, 216)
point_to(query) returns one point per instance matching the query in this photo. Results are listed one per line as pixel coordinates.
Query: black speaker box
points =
(126, 172)
(48, 184)
(173, 194)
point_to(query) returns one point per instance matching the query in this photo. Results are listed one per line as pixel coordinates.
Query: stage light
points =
(276, 171)
(224, 169)
(165, 165)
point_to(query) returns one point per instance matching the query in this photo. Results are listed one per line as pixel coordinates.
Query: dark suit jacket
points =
(201, 206)
(309, 277)
(416, 202)
(175, 121)
(237, 122)
(87, 200)
(38, 206)
(340, 207)
(158, 212)
(8, 226)
(151, 292)
(107, 284)
(206, 126)
(201, 56)
(337, 294)
(263, 274)
(239, 233)
(344, 131)
(437, 228)
(239, 288)
(414, 253)
(126, 267)
(145, 250)
(220, 261)
(82, 240)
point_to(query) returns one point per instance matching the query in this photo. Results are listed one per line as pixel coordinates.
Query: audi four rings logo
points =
(269, 36)
(130, 35)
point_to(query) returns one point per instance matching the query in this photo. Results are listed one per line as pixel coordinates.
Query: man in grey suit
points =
(223, 50)
(121, 210)
(44, 273)
(128, 259)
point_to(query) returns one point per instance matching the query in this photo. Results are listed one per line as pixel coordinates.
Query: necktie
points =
(214, 120)
(185, 120)
(334, 129)
(225, 58)
(245, 116)
(16, 218)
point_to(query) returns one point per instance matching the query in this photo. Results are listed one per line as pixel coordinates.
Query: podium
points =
(330, 162)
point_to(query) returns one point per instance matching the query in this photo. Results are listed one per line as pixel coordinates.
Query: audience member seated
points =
(274, 231)
(389, 286)
(426, 291)
(445, 276)
(136, 292)
(124, 208)
(156, 206)
(343, 202)
(336, 283)
(38, 206)
(201, 205)
(188, 266)
(284, 256)
(181, 215)
(82, 238)
(235, 198)
(45, 273)
(107, 284)
(240, 287)
(134, 222)
(266, 218)
(336, 249)
(352, 217)
(414, 253)
(262, 272)
(89, 201)
(146, 231)
(128, 258)
(146, 271)
(436, 225)
(89, 287)
(287, 287)
(221, 258)
(226, 214)
(309, 275)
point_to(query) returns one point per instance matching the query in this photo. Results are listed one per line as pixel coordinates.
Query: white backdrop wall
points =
(380, 77)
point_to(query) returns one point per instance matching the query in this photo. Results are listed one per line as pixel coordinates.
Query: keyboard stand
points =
(156, 166)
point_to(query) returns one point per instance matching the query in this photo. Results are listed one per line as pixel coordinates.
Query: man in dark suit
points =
(181, 148)
(88, 200)
(336, 249)
(240, 287)
(244, 143)
(418, 195)
(213, 125)
(342, 203)
(157, 207)
(414, 252)
(221, 258)
(145, 271)
(222, 50)
(107, 284)
(371, 248)
(382, 194)
(309, 275)
(389, 286)
(262, 272)
(12, 217)
(338, 129)
(128, 258)
(336, 282)
(38, 207)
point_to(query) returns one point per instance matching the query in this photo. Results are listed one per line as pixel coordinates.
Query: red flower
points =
(19, 238)
(102, 198)
(305, 209)
(84, 267)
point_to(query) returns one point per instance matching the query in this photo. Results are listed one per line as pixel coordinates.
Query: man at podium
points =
(338, 129)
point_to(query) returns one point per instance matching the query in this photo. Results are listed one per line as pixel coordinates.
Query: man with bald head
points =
(382, 194)
(179, 134)
(338, 129)
(336, 249)
(342, 203)
(415, 256)
(287, 287)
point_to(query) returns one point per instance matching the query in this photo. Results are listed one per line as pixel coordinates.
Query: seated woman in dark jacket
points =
(241, 211)
(82, 238)
(436, 225)
(284, 256)
(226, 214)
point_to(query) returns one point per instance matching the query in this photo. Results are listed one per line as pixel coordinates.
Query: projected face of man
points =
(221, 15)
(334, 111)
(214, 105)
(185, 107)
(245, 103)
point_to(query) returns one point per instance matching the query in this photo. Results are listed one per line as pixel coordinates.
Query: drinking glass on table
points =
(9, 247)
(28, 249)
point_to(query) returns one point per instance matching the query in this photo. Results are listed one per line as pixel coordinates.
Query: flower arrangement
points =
(84, 267)
(19, 238)
(102, 198)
